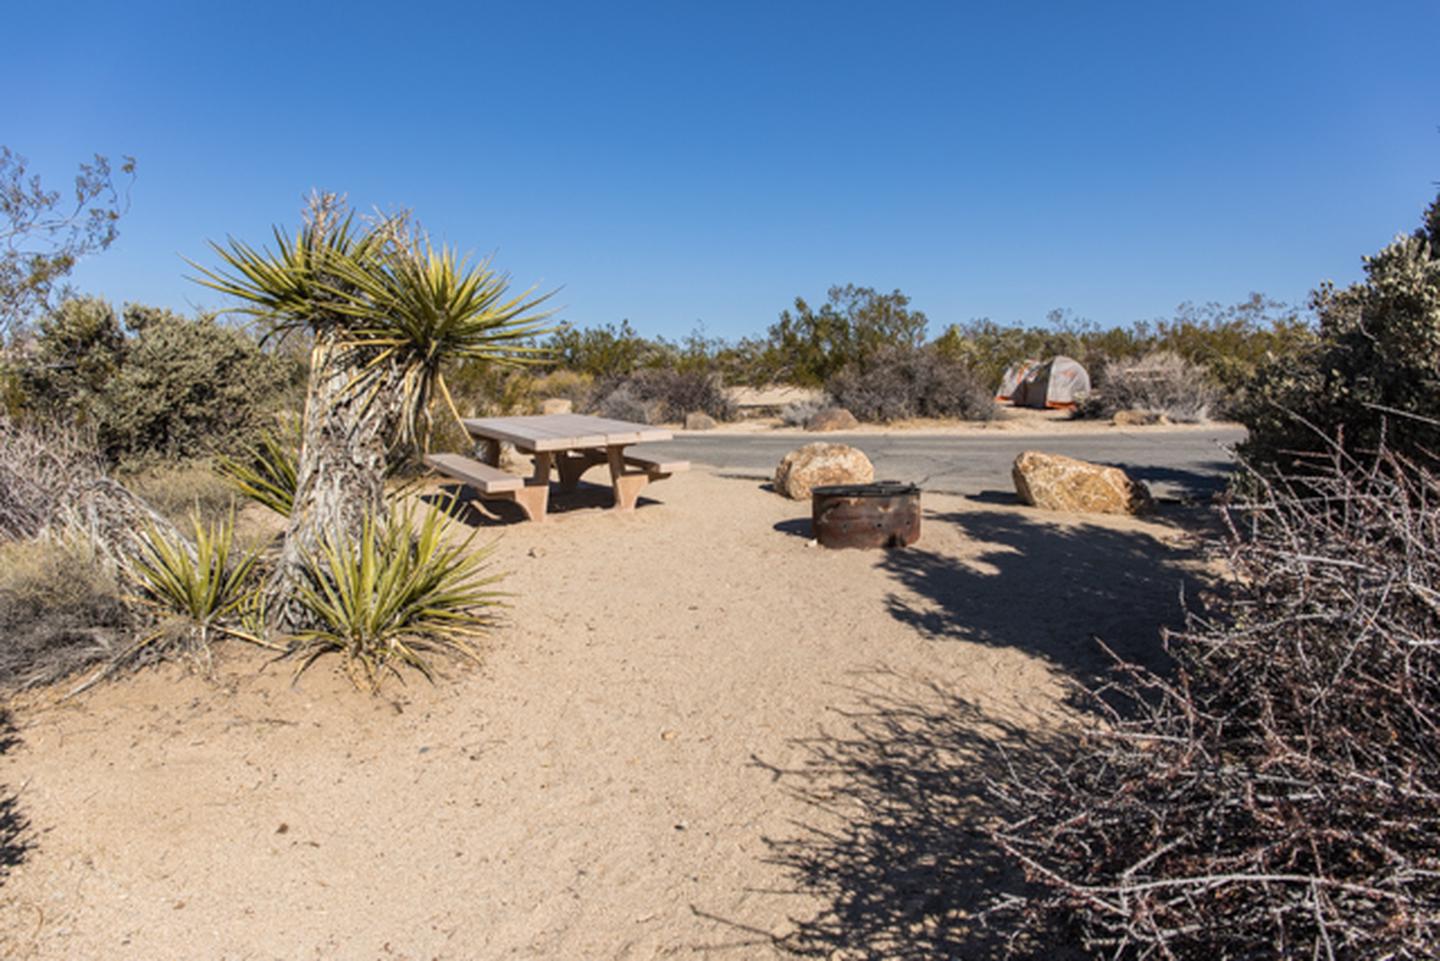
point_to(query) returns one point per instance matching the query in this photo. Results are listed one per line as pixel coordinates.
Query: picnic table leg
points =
(572, 464)
(488, 451)
(627, 484)
(534, 497)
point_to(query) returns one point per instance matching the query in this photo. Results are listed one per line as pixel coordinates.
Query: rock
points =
(557, 405)
(699, 420)
(832, 418)
(1056, 483)
(817, 464)
(1138, 418)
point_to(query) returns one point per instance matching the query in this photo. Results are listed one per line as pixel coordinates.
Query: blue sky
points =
(682, 163)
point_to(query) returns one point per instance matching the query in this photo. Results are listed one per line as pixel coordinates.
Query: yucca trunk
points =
(341, 473)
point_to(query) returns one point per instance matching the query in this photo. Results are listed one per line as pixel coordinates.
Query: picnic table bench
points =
(568, 443)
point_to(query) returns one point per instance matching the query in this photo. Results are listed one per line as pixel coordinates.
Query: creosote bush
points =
(901, 383)
(1376, 352)
(1279, 797)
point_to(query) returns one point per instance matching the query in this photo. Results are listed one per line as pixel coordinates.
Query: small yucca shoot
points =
(394, 593)
(267, 474)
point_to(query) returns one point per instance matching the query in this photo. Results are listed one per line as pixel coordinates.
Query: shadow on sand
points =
(1046, 589)
(15, 837)
(897, 785)
(462, 504)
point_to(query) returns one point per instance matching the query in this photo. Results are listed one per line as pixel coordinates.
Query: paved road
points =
(1176, 464)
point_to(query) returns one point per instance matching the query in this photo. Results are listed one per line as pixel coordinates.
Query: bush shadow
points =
(894, 842)
(1048, 589)
(16, 839)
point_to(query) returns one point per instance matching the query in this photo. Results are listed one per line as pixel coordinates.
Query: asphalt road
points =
(1176, 464)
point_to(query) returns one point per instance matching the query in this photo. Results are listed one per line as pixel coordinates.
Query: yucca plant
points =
(194, 591)
(201, 586)
(267, 474)
(393, 594)
(387, 312)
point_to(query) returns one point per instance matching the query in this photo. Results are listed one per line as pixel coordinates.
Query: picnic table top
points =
(544, 432)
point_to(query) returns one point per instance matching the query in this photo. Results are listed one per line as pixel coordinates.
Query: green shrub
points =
(1373, 370)
(186, 388)
(604, 352)
(158, 386)
(900, 383)
(60, 612)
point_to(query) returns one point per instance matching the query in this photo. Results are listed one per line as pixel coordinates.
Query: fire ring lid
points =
(887, 488)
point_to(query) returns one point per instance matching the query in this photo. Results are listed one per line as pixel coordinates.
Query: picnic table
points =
(570, 444)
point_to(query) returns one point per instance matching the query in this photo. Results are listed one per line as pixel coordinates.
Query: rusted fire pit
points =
(882, 514)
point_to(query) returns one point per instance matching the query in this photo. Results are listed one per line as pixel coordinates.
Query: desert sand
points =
(694, 734)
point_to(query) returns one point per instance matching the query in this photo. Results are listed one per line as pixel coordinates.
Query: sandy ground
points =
(695, 734)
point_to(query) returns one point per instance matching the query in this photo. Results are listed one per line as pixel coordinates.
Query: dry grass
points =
(60, 612)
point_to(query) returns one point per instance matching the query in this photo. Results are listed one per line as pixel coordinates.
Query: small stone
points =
(669, 735)
(1138, 418)
(818, 464)
(832, 418)
(699, 420)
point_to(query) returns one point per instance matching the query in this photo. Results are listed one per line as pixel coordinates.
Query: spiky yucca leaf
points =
(267, 475)
(420, 308)
(395, 593)
(202, 586)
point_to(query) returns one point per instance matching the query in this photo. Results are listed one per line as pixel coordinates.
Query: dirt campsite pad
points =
(696, 733)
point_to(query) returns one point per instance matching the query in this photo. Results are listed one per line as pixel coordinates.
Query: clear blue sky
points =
(675, 163)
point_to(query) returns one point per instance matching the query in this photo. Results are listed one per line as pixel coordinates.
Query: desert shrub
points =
(1159, 382)
(854, 325)
(604, 352)
(1377, 352)
(899, 383)
(187, 387)
(658, 394)
(157, 386)
(61, 611)
(77, 349)
(798, 414)
(396, 592)
(1279, 796)
(570, 385)
(54, 484)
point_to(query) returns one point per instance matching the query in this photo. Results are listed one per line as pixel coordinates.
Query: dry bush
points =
(1159, 382)
(659, 394)
(60, 611)
(577, 388)
(903, 382)
(798, 413)
(53, 484)
(180, 490)
(1280, 795)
